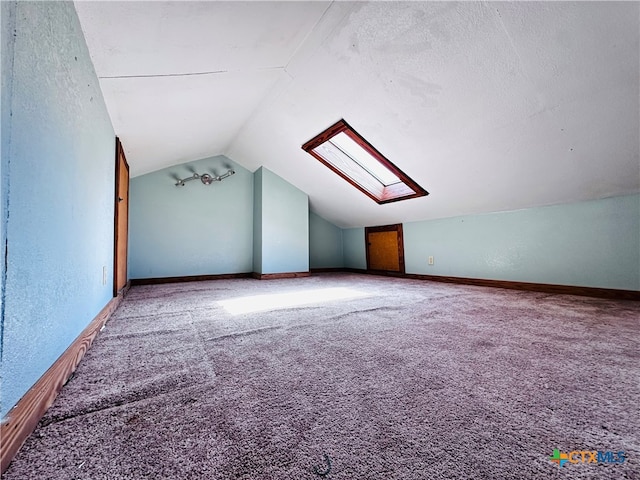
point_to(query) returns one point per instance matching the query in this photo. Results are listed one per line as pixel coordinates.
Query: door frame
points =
(116, 232)
(386, 228)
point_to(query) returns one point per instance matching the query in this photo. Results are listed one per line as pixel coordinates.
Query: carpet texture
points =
(416, 380)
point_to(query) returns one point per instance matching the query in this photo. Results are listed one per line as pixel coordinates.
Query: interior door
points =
(121, 220)
(385, 248)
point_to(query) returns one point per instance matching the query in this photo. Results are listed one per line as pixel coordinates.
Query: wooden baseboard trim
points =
(223, 276)
(273, 276)
(326, 270)
(609, 293)
(123, 291)
(23, 418)
(191, 278)
(356, 270)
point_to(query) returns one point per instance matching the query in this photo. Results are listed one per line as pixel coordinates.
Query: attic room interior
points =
(320, 239)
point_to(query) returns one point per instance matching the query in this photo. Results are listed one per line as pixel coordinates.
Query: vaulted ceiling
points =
(489, 106)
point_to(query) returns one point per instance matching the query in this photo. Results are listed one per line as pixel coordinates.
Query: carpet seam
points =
(44, 423)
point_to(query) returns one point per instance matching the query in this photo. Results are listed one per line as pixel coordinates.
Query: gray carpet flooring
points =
(415, 380)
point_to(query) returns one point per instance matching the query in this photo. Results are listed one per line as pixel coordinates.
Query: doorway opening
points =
(121, 220)
(385, 248)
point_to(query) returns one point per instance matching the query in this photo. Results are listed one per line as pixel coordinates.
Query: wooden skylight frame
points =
(372, 173)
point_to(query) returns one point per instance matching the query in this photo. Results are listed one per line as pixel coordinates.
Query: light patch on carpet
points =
(263, 303)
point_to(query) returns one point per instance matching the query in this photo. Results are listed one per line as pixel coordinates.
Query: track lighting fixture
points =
(205, 178)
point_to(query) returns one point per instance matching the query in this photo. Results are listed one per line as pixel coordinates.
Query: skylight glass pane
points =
(351, 169)
(362, 157)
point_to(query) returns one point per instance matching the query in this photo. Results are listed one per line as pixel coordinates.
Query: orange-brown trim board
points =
(223, 276)
(611, 293)
(274, 276)
(23, 418)
(190, 278)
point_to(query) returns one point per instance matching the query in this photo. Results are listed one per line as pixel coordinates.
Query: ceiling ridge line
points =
(521, 62)
(278, 87)
(306, 37)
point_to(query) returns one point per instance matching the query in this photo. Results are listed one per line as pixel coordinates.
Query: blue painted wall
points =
(8, 18)
(248, 222)
(284, 212)
(355, 255)
(325, 243)
(59, 158)
(591, 244)
(196, 229)
(257, 221)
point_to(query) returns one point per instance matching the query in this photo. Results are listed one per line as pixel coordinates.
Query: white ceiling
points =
(489, 106)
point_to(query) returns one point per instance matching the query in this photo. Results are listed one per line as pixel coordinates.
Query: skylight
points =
(349, 155)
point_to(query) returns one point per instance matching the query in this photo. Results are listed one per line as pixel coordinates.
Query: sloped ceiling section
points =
(489, 106)
(180, 78)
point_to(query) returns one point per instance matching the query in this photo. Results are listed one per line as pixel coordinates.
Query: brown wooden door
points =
(121, 220)
(385, 248)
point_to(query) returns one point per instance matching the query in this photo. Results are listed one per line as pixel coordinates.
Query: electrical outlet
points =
(430, 260)
(104, 275)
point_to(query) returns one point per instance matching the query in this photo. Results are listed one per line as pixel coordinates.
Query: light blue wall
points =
(285, 226)
(325, 243)
(196, 229)
(8, 16)
(591, 244)
(257, 221)
(248, 222)
(355, 255)
(61, 186)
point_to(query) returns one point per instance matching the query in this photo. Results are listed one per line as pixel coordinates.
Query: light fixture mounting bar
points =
(205, 178)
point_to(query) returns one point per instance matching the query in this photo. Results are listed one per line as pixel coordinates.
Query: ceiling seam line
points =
(215, 72)
(269, 95)
(306, 37)
(513, 47)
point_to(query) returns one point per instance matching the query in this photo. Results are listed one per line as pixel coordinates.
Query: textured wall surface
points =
(8, 19)
(591, 244)
(257, 221)
(60, 200)
(355, 255)
(196, 229)
(285, 226)
(325, 243)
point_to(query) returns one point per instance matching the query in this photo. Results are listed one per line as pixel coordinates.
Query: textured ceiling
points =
(489, 106)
